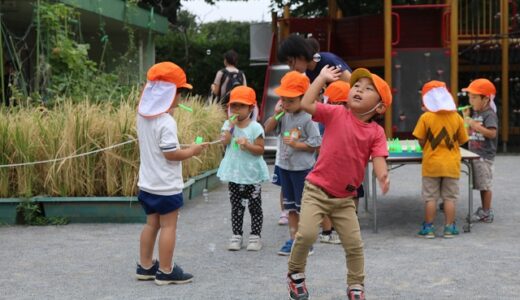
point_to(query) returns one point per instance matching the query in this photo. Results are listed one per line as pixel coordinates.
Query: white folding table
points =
(393, 161)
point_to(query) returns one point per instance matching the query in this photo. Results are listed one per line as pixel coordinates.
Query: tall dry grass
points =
(35, 134)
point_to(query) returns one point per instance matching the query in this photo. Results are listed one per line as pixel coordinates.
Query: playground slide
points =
(273, 77)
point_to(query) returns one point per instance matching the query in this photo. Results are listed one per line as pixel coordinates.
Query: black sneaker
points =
(147, 274)
(296, 287)
(176, 276)
(356, 292)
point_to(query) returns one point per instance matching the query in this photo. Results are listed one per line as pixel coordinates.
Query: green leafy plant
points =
(32, 215)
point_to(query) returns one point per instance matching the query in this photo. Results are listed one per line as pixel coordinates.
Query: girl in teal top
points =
(243, 166)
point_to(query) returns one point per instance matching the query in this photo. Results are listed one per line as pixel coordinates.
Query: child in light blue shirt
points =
(243, 166)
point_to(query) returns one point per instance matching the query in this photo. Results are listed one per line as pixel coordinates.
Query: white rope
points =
(83, 154)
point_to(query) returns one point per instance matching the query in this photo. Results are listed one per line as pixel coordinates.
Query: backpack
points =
(235, 79)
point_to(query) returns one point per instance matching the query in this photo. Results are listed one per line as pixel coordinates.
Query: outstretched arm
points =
(327, 74)
(183, 154)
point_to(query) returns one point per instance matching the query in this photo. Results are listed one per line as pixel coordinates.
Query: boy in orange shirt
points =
(440, 131)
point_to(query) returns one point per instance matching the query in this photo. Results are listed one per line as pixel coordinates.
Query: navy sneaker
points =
(147, 274)
(286, 248)
(176, 276)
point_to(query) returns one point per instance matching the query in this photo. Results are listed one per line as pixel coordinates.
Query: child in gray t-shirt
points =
(299, 137)
(483, 138)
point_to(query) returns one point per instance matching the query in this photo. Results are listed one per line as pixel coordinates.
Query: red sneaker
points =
(296, 286)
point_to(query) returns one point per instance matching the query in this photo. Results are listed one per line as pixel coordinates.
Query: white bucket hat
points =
(436, 97)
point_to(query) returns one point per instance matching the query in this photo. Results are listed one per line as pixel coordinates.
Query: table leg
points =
(374, 199)
(366, 184)
(470, 191)
(467, 226)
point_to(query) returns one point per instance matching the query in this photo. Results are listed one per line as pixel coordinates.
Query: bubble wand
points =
(279, 115)
(187, 108)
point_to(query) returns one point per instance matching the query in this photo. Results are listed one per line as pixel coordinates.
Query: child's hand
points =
(242, 142)
(278, 108)
(289, 141)
(466, 113)
(467, 121)
(198, 148)
(330, 73)
(225, 137)
(473, 124)
(384, 183)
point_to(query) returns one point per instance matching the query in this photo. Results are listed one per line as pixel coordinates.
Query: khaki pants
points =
(342, 211)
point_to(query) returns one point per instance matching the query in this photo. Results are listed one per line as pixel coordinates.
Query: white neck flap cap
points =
(437, 99)
(325, 99)
(157, 98)
(492, 103)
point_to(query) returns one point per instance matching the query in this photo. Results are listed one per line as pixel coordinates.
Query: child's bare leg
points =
(485, 196)
(449, 212)
(147, 240)
(167, 240)
(281, 201)
(429, 211)
(294, 218)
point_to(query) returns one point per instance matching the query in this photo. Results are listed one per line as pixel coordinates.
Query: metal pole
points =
(454, 50)
(388, 61)
(2, 59)
(38, 28)
(504, 32)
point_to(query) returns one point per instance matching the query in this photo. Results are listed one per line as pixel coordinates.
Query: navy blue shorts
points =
(276, 176)
(292, 188)
(360, 192)
(158, 204)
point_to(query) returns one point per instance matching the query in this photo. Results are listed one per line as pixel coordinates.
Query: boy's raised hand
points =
(330, 73)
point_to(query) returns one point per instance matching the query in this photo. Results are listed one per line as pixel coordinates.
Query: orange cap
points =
(169, 72)
(337, 91)
(381, 86)
(481, 86)
(432, 84)
(242, 94)
(436, 97)
(293, 84)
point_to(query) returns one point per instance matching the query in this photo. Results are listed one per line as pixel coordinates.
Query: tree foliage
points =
(199, 49)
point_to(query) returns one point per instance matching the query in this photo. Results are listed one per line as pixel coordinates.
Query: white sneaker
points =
(254, 243)
(332, 238)
(284, 218)
(235, 243)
